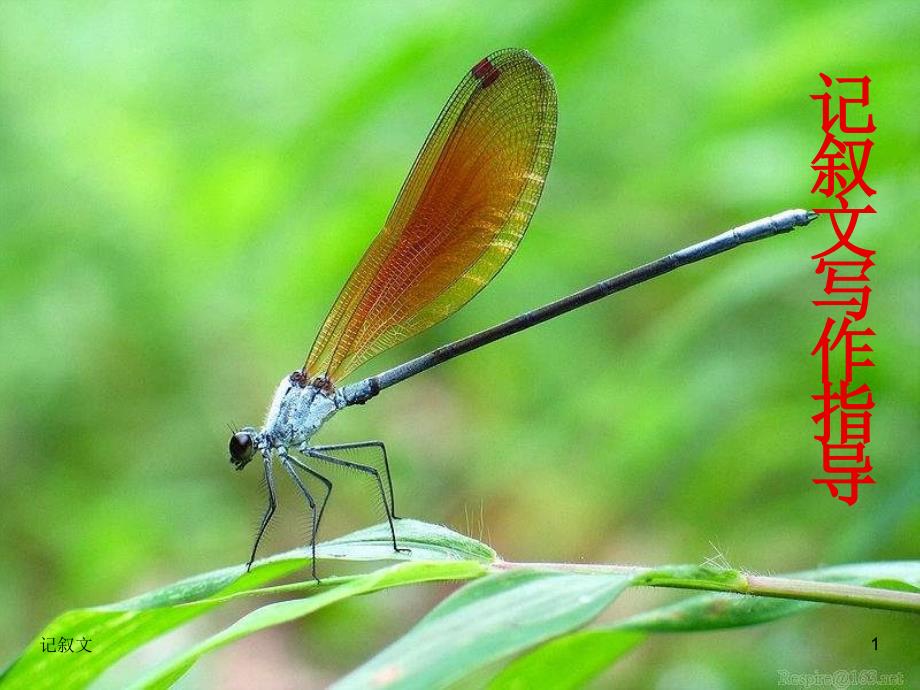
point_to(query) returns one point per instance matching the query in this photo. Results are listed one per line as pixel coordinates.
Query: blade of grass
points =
(486, 621)
(118, 629)
(532, 603)
(286, 611)
(567, 662)
(829, 589)
(572, 660)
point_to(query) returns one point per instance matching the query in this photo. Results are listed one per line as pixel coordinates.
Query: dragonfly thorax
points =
(297, 412)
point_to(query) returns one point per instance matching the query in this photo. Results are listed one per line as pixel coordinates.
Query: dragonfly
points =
(459, 216)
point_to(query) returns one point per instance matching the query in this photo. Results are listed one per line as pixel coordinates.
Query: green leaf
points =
(566, 662)
(574, 659)
(487, 620)
(427, 542)
(899, 575)
(471, 633)
(118, 629)
(716, 611)
(286, 611)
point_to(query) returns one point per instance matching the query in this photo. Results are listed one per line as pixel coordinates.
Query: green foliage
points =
(485, 622)
(530, 612)
(566, 662)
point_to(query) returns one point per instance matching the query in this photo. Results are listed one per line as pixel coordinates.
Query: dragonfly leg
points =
(269, 511)
(386, 463)
(367, 469)
(287, 462)
(325, 481)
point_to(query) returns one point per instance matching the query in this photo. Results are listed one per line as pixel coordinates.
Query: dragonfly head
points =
(242, 448)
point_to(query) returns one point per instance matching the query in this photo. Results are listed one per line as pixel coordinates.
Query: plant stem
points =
(833, 593)
(728, 580)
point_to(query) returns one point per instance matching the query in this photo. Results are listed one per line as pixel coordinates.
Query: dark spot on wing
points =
(485, 72)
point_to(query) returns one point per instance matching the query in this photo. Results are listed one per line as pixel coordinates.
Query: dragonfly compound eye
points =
(241, 449)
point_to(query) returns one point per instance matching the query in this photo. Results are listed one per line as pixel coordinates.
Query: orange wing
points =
(459, 216)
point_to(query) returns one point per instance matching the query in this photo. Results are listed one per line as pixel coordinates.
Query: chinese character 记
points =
(48, 644)
(827, 122)
(862, 101)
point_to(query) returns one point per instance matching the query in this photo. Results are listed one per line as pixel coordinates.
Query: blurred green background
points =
(185, 186)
